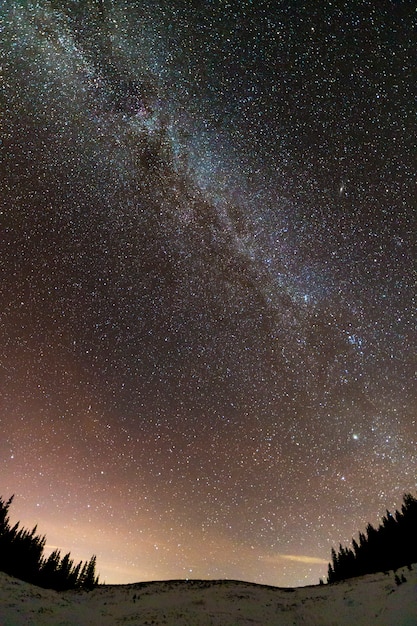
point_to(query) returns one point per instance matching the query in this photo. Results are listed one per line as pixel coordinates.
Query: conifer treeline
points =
(21, 555)
(390, 546)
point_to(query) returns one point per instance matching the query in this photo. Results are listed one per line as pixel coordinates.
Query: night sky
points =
(207, 222)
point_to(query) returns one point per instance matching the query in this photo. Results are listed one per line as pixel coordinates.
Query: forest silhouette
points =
(22, 556)
(390, 546)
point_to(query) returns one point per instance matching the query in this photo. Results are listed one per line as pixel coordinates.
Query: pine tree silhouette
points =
(390, 546)
(21, 555)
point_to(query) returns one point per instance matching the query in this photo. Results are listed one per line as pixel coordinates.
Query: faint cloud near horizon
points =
(298, 558)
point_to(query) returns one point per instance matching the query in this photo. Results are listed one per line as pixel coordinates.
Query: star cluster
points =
(206, 334)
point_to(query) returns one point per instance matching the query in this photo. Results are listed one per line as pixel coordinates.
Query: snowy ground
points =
(374, 600)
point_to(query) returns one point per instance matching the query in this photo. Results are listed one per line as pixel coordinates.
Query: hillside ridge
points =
(376, 599)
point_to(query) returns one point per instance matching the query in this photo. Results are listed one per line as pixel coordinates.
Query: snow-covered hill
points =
(374, 600)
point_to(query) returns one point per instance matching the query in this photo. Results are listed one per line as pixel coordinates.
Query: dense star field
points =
(207, 227)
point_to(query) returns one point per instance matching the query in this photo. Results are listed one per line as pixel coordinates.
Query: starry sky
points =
(207, 223)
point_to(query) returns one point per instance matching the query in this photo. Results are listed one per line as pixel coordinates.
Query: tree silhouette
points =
(21, 555)
(390, 546)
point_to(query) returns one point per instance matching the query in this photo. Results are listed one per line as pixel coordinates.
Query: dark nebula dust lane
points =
(207, 227)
